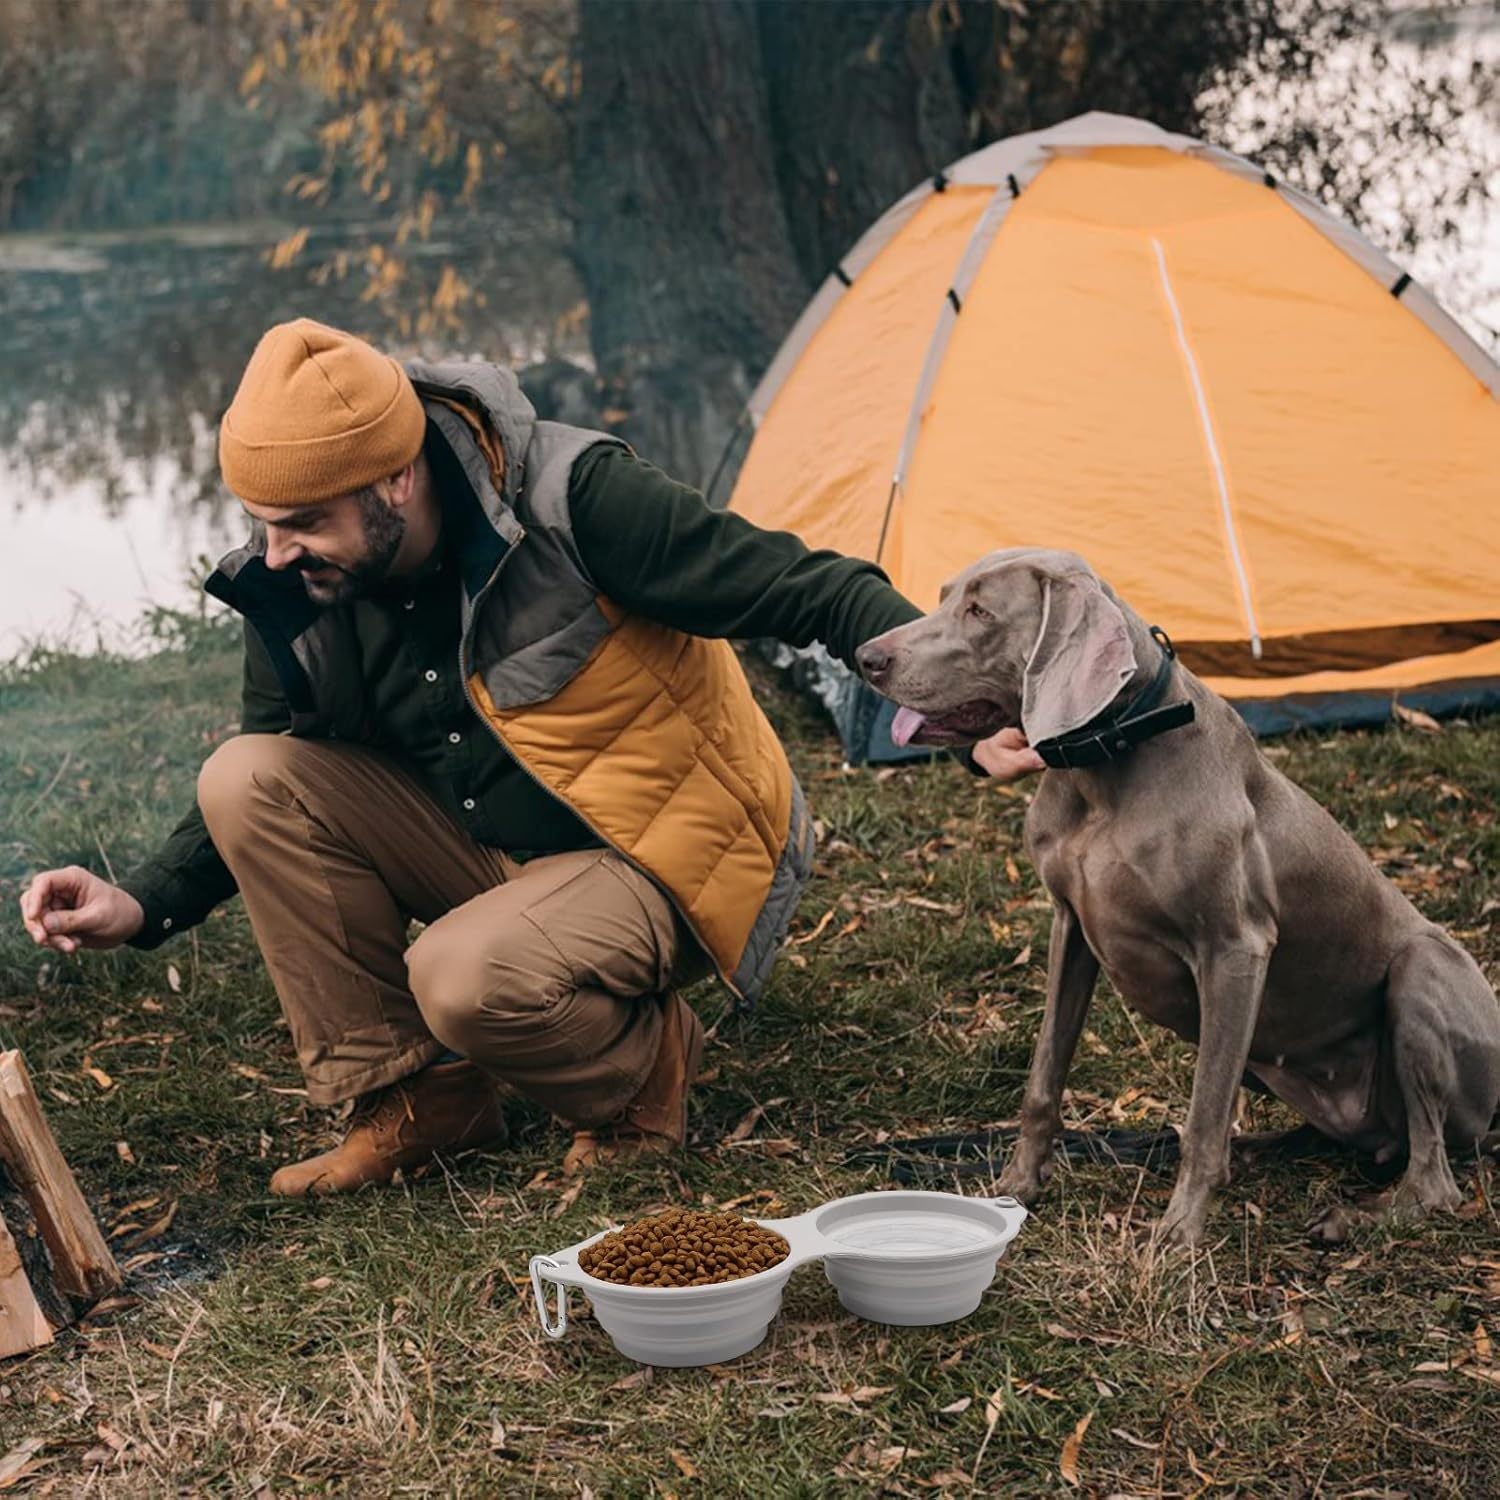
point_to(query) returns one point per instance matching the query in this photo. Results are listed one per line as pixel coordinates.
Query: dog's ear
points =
(1080, 660)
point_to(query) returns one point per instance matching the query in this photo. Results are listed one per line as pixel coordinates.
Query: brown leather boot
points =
(444, 1107)
(655, 1121)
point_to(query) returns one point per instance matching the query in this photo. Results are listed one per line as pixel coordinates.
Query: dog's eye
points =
(978, 612)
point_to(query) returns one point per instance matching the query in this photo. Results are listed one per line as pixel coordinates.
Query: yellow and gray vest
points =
(651, 736)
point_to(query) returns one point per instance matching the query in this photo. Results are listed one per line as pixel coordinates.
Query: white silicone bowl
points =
(915, 1259)
(906, 1258)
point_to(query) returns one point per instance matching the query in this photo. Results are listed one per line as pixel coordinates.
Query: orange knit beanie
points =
(318, 413)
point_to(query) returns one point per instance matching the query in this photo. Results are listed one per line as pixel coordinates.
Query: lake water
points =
(118, 352)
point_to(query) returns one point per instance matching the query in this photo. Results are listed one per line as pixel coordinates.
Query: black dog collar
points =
(1114, 735)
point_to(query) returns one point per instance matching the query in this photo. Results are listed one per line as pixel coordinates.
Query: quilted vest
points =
(650, 735)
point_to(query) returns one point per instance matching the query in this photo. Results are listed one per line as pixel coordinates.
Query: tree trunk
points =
(865, 103)
(682, 241)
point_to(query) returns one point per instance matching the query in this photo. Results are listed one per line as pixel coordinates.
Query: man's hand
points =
(1007, 757)
(73, 908)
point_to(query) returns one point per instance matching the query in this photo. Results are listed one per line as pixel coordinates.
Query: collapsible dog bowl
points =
(908, 1258)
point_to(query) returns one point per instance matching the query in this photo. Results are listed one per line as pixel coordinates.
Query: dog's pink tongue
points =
(905, 724)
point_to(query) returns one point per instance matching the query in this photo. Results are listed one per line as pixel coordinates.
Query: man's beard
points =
(383, 527)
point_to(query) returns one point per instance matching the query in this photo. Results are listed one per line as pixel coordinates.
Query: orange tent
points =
(1105, 337)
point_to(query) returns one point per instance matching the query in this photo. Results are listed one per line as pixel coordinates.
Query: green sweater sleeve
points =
(656, 548)
(185, 879)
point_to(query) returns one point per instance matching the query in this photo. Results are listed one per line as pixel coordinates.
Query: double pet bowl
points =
(907, 1258)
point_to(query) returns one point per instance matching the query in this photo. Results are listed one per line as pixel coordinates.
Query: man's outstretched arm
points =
(656, 548)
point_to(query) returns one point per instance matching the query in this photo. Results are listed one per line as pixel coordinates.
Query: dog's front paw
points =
(1022, 1182)
(1183, 1222)
(1421, 1193)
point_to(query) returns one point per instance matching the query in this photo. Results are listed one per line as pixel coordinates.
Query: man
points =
(487, 686)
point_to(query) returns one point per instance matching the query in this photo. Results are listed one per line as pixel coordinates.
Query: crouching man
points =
(487, 686)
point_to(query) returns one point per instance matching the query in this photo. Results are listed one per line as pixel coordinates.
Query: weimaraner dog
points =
(1221, 900)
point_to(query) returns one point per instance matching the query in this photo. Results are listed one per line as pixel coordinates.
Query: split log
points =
(82, 1267)
(22, 1324)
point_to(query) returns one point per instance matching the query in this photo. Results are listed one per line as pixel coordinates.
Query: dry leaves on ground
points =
(1067, 1464)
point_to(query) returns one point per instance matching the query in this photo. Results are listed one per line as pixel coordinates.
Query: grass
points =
(386, 1344)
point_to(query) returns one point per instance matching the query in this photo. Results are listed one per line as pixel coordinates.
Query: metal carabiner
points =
(539, 1265)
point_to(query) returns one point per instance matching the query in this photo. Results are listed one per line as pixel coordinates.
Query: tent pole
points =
(741, 422)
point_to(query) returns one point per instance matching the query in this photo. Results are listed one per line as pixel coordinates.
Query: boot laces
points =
(385, 1108)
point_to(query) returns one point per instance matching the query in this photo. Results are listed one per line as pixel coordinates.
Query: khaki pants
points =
(549, 974)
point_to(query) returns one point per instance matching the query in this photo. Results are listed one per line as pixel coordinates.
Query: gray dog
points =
(1222, 901)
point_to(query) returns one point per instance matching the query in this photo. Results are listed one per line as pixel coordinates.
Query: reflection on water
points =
(118, 352)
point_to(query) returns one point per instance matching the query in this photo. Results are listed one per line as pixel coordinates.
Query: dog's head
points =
(1027, 636)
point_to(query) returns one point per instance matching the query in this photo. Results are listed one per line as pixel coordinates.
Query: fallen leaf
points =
(1059, 1331)
(818, 931)
(499, 1446)
(567, 1198)
(955, 1407)
(994, 1404)
(113, 1304)
(1293, 1328)
(946, 1479)
(760, 1195)
(320, 1284)
(746, 1125)
(1192, 1459)
(1416, 718)
(1067, 1464)
(1132, 1439)
(870, 1392)
(1031, 1388)
(1483, 1348)
(1012, 871)
(159, 1350)
(153, 1005)
(174, 979)
(116, 1440)
(1023, 957)
(636, 1379)
(948, 908)
(98, 1075)
(684, 1464)
(123, 1151)
(136, 1206)
(151, 1231)
(19, 1459)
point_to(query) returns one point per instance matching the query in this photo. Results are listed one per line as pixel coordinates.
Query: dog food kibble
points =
(683, 1248)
